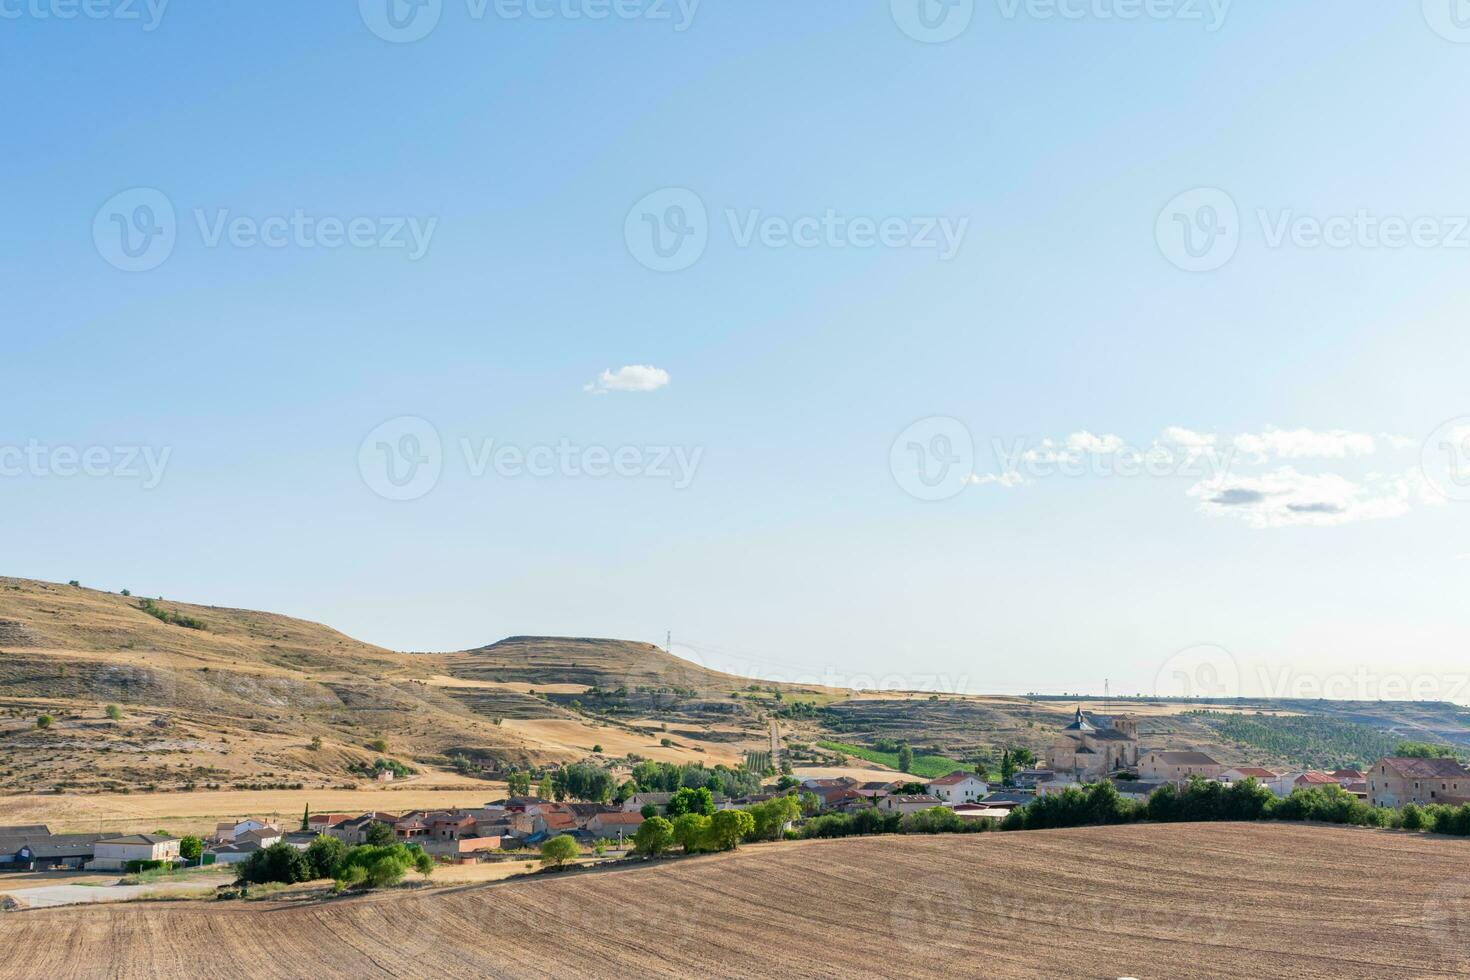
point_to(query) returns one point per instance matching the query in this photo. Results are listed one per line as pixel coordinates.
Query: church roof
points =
(1079, 724)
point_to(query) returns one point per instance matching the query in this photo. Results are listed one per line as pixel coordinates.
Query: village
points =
(1093, 749)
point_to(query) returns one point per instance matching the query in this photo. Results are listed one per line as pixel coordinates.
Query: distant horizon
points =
(723, 661)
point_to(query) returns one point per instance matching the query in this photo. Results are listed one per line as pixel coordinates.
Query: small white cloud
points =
(1009, 479)
(1075, 446)
(1178, 441)
(1285, 498)
(1304, 444)
(633, 377)
(1086, 442)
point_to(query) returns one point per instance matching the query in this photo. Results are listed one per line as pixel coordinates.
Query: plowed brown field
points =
(1211, 900)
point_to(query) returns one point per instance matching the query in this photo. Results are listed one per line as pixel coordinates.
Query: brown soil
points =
(1212, 900)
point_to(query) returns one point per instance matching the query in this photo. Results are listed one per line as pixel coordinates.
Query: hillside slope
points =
(1202, 900)
(241, 699)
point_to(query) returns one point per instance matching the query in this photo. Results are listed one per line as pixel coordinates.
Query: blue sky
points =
(526, 152)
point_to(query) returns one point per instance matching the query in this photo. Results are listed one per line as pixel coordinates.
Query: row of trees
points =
(1201, 801)
(668, 777)
(372, 865)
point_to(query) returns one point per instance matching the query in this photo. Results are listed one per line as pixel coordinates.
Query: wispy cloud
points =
(1009, 479)
(1285, 497)
(1304, 444)
(632, 377)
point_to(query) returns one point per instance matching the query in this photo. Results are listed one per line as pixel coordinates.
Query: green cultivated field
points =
(928, 766)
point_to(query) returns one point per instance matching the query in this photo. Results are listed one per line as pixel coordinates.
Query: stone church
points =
(1090, 750)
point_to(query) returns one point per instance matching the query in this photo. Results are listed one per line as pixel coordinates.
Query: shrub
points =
(114, 712)
(559, 850)
(378, 745)
(279, 863)
(728, 828)
(44, 721)
(375, 866)
(687, 800)
(655, 836)
(691, 832)
(325, 855)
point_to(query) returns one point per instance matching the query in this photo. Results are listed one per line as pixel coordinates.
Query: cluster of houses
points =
(32, 847)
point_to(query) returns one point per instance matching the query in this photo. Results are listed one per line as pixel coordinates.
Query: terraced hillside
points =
(209, 696)
(1201, 900)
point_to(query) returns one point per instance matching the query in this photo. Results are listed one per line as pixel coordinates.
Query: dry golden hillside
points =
(242, 697)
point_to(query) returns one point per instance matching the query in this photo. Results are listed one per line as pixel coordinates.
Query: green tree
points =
(378, 745)
(325, 855)
(279, 863)
(905, 758)
(688, 800)
(114, 712)
(1008, 769)
(648, 811)
(375, 866)
(306, 818)
(191, 848)
(772, 815)
(1023, 757)
(518, 783)
(728, 828)
(423, 864)
(655, 836)
(378, 834)
(691, 831)
(559, 850)
(1412, 817)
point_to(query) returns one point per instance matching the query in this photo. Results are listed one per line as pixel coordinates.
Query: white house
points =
(114, 853)
(958, 787)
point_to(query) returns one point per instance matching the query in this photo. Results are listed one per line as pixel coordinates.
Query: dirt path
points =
(1210, 900)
